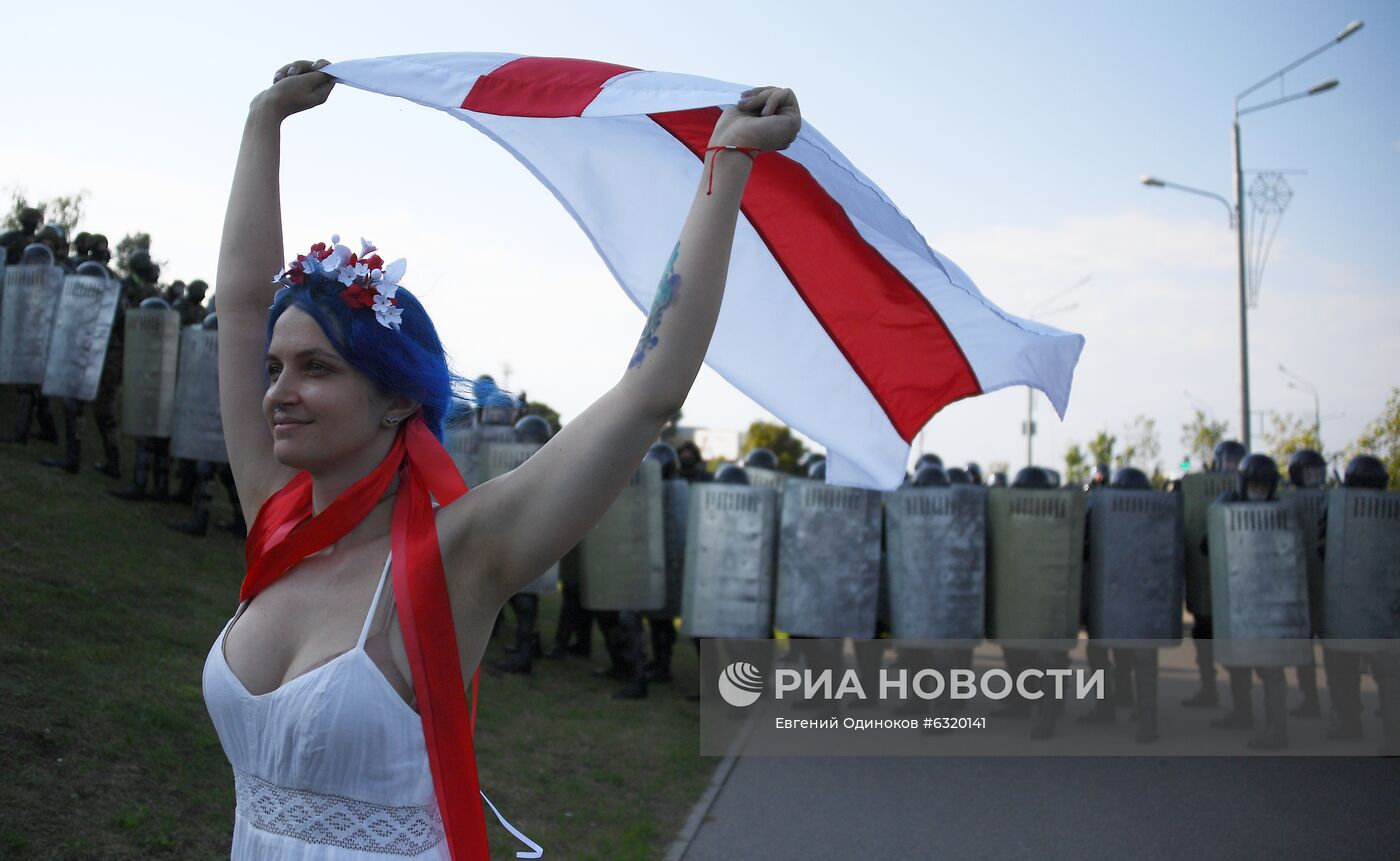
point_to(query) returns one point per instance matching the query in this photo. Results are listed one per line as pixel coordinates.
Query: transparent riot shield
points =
(1259, 585)
(1136, 571)
(828, 560)
(197, 430)
(150, 363)
(936, 560)
(82, 327)
(728, 583)
(623, 558)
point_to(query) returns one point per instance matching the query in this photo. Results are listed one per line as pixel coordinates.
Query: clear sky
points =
(1011, 134)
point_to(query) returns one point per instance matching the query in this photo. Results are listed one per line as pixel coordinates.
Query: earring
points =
(393, 420)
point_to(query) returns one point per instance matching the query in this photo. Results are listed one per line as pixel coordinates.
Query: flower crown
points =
(368, 282)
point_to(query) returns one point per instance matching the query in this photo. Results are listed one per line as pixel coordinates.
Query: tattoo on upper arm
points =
(665, 291)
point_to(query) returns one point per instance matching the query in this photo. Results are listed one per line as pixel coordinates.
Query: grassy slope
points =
(105, 621)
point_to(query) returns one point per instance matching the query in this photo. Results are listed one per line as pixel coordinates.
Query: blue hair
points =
(410, 362)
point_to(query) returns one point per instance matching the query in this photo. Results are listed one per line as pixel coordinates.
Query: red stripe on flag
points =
(887, 330)
(541, 87)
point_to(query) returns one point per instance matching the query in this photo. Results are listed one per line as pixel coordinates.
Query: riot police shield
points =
(1362, 568)
(622, 560)
(675, 508)
(1035, 556)
(82, 326)
(936, 562)
(27, 306)
(1258, 585)
(728, 583)
(148, 371)
(1311, 506)
(828, 560)
(1198, 491)
(197, 431)
(498, 457)
(1136, 571)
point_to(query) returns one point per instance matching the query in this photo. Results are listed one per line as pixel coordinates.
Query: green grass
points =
(106, 618)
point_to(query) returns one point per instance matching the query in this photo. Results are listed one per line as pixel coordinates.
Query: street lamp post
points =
(1237, 210)
(1302, 385)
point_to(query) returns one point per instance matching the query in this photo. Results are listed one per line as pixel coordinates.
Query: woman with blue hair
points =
(333, 403)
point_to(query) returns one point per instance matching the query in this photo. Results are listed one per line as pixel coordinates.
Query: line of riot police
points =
(946, 558)
(70, 329)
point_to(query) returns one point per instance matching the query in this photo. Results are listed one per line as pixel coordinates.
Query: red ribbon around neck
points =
(286, 531)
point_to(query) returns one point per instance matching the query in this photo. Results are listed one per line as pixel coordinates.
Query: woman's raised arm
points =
(250, 253)
(502, 535)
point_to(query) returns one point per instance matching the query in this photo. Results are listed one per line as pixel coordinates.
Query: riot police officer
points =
(1307, 470)
(1225, 459)
(1258, 482)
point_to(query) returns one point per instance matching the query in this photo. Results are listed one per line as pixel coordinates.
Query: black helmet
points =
(1130, 478)
(1100, 478)
(762, 458)
(931, 476)
(808, 458)
(732, 473)
(929, 459)
(1226, 451)
(155, 302)
(817, 470)
(666, 456)
(958, 475)
(1298, 465)
(998, 479)
(974, 472)
(1366, 471)
(1032, 478)
(533, 429)
(1258, 468)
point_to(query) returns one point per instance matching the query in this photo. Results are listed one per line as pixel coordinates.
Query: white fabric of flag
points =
(838, 317)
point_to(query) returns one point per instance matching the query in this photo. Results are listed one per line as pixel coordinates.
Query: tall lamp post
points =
(1237, 210)
(1302, 385)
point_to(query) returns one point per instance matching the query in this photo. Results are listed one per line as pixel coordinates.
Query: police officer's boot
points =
(48, 432)
(1241, 714)
(1123, 678)
(1275, 734)
(203, 492)
(140, 474)
(1015, 705)
(663, 640)
(1386, 668)
(111, 455)
(526, 638)
(72, 447)
(1344, 693)
(1206, 697)
(633, 657)
(1098, 660)
(1145, 676)
(160, 471)
(1049, 707)
(1307, 686)
(186, 470)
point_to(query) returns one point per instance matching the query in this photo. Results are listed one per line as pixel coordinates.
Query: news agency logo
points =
(740, 684)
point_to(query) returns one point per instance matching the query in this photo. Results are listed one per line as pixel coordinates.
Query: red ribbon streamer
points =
(286, 532)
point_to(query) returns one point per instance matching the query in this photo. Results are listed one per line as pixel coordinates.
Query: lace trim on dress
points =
(334, 820)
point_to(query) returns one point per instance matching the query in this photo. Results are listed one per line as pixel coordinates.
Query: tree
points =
(1101, 447)
(130, 244)
(1201, 435)
(1381, 439)
(1077, 466)
(65, 210)
(1141, 447)
(548, 413)
(1288, 433)
(779, 440)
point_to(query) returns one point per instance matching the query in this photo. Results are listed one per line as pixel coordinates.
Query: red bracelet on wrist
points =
(750, 151)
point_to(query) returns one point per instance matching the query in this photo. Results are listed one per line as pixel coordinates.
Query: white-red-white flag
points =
(838, 317)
